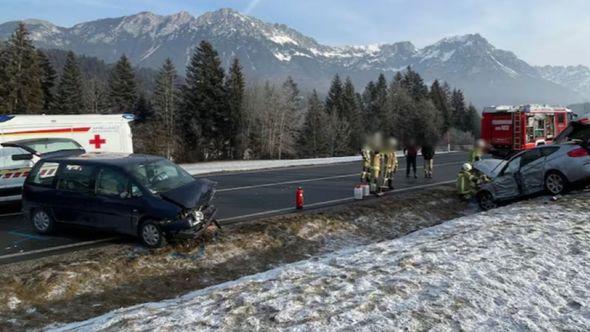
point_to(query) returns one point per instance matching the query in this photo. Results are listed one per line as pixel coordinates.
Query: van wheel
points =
(555, 183)
(486, 201)
(151, 235)
(42, 221)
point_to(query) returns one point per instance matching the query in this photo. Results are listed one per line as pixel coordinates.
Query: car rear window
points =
(549, 150)
(44, 173)
(75, 177)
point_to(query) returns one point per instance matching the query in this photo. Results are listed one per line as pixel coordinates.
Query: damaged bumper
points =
(193, 225)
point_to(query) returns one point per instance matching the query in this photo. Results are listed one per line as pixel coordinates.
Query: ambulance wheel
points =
(42, 221)
(555, 183)
(486, 201)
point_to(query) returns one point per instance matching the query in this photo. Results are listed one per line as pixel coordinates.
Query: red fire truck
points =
(509, 129)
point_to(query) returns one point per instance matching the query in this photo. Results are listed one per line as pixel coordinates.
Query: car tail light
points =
(579, 152)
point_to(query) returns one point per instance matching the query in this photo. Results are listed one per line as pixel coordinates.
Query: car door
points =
(118, 200)
(75, 193)
(532, 171)
(505, 184)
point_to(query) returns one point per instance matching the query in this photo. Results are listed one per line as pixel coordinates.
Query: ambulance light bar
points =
(5, 117)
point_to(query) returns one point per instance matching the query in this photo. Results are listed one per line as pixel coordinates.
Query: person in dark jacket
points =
(411, 152)
(428, 155)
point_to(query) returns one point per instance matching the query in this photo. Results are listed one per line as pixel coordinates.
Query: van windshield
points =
(160, 176)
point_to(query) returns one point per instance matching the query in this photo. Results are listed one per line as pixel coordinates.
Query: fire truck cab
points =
(509, 129)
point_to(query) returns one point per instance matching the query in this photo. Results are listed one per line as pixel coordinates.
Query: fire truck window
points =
(550, 126)
(560, 118)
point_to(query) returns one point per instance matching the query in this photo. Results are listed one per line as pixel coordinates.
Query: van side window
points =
(44, 174)
(74, 177)
(111, 182)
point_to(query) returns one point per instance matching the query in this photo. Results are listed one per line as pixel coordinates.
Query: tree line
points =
(212, 114)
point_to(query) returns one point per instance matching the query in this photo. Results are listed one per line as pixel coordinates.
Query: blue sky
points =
(539, 31)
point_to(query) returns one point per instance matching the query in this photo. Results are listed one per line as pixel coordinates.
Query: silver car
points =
(550, 168)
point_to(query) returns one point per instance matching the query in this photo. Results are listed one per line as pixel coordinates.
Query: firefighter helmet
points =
(467, 167)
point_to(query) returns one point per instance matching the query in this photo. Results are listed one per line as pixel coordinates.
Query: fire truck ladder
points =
(517, 128)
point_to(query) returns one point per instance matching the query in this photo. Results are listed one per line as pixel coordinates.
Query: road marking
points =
(357, 174)
(334, 201)
(28, 235)
(57, 248)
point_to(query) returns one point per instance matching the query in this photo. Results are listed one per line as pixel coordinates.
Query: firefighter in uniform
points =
(377, 170)
(466, 182)
(391, 163)
(367, 153)
(477, 152)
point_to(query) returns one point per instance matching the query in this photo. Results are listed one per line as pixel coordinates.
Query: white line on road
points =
(57, 248)
(357, 174)
(334, 201)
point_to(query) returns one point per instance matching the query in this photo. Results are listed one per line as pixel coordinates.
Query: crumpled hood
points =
(192, 195)
(490, 167)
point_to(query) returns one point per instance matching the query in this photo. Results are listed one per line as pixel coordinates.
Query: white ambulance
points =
(24, 139)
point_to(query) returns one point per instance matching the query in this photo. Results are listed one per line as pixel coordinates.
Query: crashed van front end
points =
(196, 213)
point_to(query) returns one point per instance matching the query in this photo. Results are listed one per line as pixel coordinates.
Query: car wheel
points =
(151, 235)
(555, 183)
(42, 221)
(486, 201)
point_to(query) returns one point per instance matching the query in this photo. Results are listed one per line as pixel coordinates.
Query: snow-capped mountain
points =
(273, 51)
(576, 78)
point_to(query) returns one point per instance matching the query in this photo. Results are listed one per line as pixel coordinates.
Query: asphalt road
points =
(240, 196)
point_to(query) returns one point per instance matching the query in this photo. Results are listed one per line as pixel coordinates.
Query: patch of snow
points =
(522, 267)
(282, 57)
(282, 39)
(149, 52)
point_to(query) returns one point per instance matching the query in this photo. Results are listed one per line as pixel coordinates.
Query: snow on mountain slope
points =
(522, 267)
(274, 51)
(576, 78)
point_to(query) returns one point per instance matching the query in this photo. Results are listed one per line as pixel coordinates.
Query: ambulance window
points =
(73, 177)
(6, 157)
(44, 173)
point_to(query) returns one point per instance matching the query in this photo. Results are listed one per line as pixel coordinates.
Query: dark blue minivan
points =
(140, 195)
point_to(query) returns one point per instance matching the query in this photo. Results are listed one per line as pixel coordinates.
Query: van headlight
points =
(196, 218)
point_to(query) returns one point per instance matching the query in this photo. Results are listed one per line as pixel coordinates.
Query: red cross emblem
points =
(97, 141)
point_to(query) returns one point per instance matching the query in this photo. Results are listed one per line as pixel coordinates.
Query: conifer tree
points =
(69, 98)
(165, 107)
(440, 99)
(22, 91)
(122, 87)
(413, 83)
(334, 98)
(235, 86)
(351, 112)
(47, 81)
(205, 105)
(289, 118)
(473, 121)
(459, 110)
(313, 141)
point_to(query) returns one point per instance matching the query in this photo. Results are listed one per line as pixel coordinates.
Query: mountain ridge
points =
(273, 51)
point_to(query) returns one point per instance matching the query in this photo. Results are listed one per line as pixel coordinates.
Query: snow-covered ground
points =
(522, 267)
